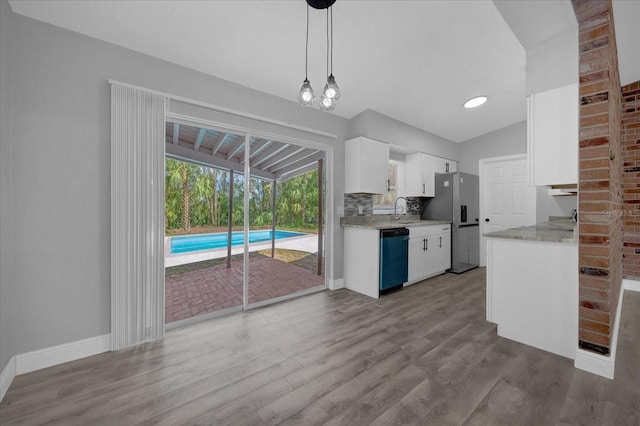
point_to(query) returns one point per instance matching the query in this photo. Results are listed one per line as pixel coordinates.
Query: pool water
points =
(189, 243)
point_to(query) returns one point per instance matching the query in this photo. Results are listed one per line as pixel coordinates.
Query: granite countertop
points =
(387, 222)
(555, 231)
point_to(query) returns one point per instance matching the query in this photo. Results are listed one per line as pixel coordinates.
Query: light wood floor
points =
(420, 356)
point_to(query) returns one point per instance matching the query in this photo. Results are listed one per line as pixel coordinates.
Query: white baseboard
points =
(601, 365)
(632, 285)
(593, 363)
(336, 284)
(7, 375)
(60, 354)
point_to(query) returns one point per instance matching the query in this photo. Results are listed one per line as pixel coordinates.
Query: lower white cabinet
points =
(429, 251)
(532, 293)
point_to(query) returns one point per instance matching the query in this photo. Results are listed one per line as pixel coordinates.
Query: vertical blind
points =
(137, 218)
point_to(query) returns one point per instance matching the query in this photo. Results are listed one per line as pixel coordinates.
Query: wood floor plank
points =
(421, 356)
(372, 404)
(499, 407)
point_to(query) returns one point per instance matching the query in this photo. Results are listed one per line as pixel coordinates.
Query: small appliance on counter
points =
(457, 201)
(394, 258)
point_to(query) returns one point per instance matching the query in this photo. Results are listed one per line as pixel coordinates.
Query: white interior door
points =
(506, 198)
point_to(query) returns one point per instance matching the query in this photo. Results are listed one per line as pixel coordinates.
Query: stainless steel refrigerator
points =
(457, 201)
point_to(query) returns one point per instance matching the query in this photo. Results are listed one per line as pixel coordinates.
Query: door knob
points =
(486, 220)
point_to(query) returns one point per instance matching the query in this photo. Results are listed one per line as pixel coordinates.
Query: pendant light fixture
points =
(328, 98)
(306, 95)
(331, 92)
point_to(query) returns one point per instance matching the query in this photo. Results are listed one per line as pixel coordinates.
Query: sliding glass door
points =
(234, 243)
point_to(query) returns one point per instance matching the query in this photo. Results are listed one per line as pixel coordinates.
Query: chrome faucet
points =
(395, 206)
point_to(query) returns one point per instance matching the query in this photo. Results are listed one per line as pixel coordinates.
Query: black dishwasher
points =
(394, 258)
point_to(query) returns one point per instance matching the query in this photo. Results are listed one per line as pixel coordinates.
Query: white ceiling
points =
(415, 61)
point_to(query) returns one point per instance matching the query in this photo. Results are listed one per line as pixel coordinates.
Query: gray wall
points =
(509, 140)
(512, 140)
(6, 233)
(55, 279)
(386, 129)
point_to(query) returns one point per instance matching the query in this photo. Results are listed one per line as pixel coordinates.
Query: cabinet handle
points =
(388, 185)
(423, 189)
(424, 242)
(440, 242)
(427, 240)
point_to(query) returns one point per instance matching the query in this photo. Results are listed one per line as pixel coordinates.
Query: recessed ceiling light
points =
(475, 102)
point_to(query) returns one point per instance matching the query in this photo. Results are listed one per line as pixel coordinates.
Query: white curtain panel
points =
(137, 216)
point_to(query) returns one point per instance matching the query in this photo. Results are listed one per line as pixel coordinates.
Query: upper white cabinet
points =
(366, 166)
(444, 165)
(552, 136)
(420, 175)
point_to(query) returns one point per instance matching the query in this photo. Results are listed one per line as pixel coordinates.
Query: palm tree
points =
(178, 176)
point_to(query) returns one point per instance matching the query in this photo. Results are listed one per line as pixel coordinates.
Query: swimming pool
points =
(189, 243)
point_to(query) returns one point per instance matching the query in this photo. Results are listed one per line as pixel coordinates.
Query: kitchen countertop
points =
(556, 231)
(387, 222)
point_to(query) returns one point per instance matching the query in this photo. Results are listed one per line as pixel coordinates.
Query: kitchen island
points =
(429, 250)
(532, 285)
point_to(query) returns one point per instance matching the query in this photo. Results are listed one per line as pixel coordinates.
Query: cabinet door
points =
(428, 176)
(552, 136)
(444, 258)
(413, 175)
(444, 165)
(419, 175)
(431, 255)
(416, 258)
(367, 165)
(375, 166)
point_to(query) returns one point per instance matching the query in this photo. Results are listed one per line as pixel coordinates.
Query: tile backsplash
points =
(352, 202)
(413, 205)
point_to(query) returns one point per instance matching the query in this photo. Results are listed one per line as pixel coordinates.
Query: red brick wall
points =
(631, 180)
(600, 180)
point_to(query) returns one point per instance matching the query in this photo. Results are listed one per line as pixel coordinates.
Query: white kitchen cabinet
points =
(419, 175)
(361, 259)
(366, 166)
(532, 293)
(444, 165)
(552, 136)
(429, 251)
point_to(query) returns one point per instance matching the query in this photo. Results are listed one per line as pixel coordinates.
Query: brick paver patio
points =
(215, 288)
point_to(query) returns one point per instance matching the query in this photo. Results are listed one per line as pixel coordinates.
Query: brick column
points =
(631, 180)
(600, 180)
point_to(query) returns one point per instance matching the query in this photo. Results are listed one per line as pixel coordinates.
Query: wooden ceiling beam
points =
(286, 176)
(187, 154)
(219, 144)
(293, 150)
(269, 154)
(303, 163)
(236, 148)
(201, 134)
(304, 152)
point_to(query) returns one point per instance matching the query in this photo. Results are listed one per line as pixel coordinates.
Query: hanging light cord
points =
(328, 40)
(331, 39)
(306, 49)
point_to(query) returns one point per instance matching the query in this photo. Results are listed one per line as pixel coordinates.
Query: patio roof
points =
(269, 159)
